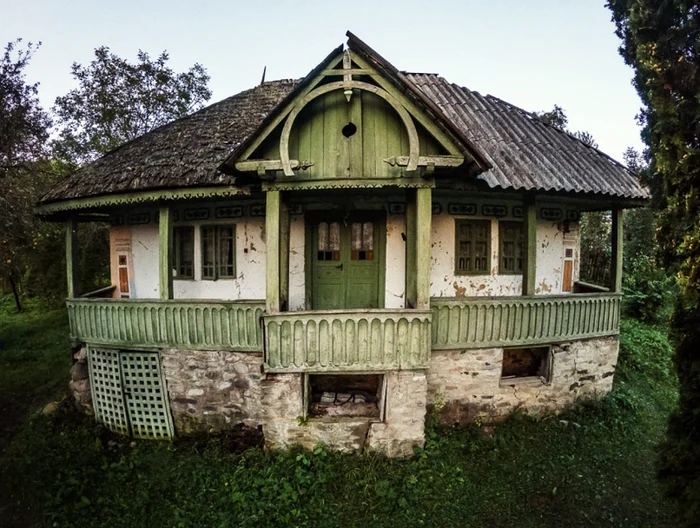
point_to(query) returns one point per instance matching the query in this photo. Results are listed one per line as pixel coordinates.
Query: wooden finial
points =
(263, 77)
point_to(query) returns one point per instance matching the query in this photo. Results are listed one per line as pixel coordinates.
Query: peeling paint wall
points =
(250, 265)
(395, 274)
(297, 269)
(549, 267)
(144, 255)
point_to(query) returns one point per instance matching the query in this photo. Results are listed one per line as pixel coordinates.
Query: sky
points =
(531, 53)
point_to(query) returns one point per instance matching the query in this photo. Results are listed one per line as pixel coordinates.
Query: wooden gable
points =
(348, 127)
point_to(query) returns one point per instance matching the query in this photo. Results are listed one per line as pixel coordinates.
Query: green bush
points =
(650, 293)
(644, 349)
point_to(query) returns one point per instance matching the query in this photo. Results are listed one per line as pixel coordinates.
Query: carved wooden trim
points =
(413, 150)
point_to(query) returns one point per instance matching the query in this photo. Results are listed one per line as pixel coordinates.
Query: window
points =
(362, 241)
(342, 396)
(510, 236)
(529, 362)
(328, 241)
(218, 252)
(473, 241)
(184, 252)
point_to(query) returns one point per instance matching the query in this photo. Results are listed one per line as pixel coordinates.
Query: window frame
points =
(177, 253)
(502, 225)
(216, 263)
(489, 234)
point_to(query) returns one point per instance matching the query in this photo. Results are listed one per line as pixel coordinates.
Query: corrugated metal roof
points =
(524, 152)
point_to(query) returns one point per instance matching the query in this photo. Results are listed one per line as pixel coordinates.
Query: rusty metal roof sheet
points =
(524, 152)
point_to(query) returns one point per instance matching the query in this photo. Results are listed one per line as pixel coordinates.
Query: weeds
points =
(591, 466)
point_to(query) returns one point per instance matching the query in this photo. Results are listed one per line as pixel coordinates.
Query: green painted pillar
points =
(410, 248)
(423, 228)
(273, 213)
(165, 253)
(530, 249)
(71, 257)
(617, 251)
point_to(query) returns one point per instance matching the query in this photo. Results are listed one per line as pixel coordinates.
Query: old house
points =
(328, 257)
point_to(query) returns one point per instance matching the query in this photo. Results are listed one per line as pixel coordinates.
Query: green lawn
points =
(593, 466)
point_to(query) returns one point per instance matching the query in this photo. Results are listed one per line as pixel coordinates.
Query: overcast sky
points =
(532, 53)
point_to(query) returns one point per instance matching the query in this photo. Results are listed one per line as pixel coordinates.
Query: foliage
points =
(23, 123)
(592, 466)
(555, 117)
(23, 132)
(646, 350)
(650, 293)
(117, 101)
(661, 41)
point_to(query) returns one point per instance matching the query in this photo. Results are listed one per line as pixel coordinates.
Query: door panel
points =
(345, 264)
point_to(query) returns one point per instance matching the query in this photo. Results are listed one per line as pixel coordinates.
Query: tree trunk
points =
(15, 293)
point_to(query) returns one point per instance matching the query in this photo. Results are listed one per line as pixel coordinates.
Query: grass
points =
(592, 466)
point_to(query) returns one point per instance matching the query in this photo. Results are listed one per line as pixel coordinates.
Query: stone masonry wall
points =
(211, 391)
(402, 429)
(80, 382)
(465, 384)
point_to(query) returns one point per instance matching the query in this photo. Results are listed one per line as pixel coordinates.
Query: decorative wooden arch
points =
(413, 151)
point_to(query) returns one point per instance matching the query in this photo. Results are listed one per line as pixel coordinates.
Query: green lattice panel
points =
(145, 395)
(106, 387)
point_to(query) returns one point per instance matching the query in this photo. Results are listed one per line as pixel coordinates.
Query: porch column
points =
(530, 249)
(273, 213)
(165, 253)
(616, 271)
(410, 248)
(422, 252)
(71, 257)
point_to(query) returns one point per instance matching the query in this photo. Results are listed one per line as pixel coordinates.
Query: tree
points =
(661, 41)
(117, 101)
(555, 117)
(23, 133)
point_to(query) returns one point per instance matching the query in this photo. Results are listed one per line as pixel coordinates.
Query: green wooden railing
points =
(196, 324)
(347, 340)
(512, 321)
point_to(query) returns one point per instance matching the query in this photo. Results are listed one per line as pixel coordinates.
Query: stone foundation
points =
(79, 384)
(466, 384)
(211, 391)
(402, 429)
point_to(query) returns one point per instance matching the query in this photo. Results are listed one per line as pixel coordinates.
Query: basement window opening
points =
(345, 396)
(526, 363)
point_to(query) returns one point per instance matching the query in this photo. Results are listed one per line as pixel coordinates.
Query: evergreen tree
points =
(661, 41)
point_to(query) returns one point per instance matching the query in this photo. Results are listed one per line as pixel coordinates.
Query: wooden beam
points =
(530, 249)
(270, 165)
(165, 253)
(427, 161)
(272, 237)
(423, 229)
(71, 257)
(617, 251)
(410, 248)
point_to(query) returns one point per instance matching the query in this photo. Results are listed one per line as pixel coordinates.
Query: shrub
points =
(650, 293)
(644, 349)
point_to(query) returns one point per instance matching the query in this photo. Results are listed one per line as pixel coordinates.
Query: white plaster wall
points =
(548, 275)
(297, 271)
(144, 255)
(250, 265)
(395, 275)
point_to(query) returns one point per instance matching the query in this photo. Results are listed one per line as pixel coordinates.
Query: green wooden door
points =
(346, 263)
